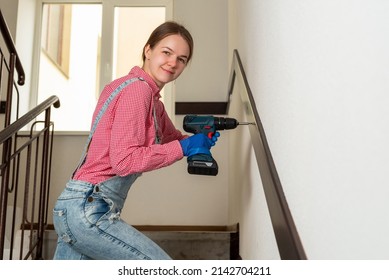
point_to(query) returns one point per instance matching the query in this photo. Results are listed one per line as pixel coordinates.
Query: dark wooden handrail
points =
(287, 237)
(11, 48)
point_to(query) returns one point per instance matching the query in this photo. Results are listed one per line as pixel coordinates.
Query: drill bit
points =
(246, 123)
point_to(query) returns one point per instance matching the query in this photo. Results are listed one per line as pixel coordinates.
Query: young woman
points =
(131, 133)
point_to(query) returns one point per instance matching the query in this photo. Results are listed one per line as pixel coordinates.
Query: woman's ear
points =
(147, 51)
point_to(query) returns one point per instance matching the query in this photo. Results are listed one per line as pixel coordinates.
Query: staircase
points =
(25, 162)
(182, 242)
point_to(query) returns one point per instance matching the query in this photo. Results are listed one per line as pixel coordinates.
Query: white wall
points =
(319, 72)
(10, 10)
(24, 45)
(205, 79)
(247, 203)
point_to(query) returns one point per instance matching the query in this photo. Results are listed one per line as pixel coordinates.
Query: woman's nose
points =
(172, 61)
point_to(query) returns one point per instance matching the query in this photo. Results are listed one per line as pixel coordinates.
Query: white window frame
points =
(107, 37)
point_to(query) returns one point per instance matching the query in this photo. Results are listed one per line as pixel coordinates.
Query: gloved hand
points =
(214, 138)
(196, 144)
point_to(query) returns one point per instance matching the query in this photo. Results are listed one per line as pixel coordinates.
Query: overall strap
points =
(100, 115)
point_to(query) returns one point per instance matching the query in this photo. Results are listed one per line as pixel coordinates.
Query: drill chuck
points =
(225, 123)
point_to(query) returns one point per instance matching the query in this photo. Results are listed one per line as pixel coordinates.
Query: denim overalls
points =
(87, 216)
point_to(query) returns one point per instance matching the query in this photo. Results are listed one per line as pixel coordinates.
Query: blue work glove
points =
(196, 144)
(214, 138)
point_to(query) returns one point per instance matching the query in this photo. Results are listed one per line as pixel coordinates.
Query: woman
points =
(131, 134)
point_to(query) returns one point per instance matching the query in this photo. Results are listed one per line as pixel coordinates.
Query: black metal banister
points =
(25, 166)
(287, 237)
(28, 117)
(11, 48)
(25, 171)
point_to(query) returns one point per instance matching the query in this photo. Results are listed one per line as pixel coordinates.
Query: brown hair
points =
(166, 29)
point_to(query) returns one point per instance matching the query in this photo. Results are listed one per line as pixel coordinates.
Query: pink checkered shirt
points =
(124, 140)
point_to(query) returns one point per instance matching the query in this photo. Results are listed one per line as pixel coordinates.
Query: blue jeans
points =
(87, 220)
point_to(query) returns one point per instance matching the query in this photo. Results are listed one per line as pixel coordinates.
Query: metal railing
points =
(25, 165)
(287, 237)
(25, 183)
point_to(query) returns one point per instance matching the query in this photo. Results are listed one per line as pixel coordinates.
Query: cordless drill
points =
(205, 164)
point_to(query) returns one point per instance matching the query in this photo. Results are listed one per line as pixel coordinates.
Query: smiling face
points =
(166, 61)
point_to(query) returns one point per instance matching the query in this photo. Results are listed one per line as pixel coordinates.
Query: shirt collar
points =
(139, 72)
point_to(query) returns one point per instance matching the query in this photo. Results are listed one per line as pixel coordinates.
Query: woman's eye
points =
(166, 52)
(182, 60)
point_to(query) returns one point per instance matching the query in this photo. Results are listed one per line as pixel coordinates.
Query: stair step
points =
(182, 242)
(196, 242)
(193, 245)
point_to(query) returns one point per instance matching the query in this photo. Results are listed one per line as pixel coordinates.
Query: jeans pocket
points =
(96, 208)
(61, 226)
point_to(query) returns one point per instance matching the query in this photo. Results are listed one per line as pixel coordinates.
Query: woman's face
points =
(166, 61)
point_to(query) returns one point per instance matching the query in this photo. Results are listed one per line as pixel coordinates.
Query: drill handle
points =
(209, 132)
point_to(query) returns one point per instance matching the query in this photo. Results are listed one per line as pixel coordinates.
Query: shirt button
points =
(140, 78)
(90, 199)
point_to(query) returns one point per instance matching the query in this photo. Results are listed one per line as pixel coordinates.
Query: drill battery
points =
(202, 164)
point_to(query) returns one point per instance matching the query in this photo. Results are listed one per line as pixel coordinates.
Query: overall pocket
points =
(96, 207)
(61, 226)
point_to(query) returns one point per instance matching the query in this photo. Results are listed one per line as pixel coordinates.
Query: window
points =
(81, 52)
(56, 24)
